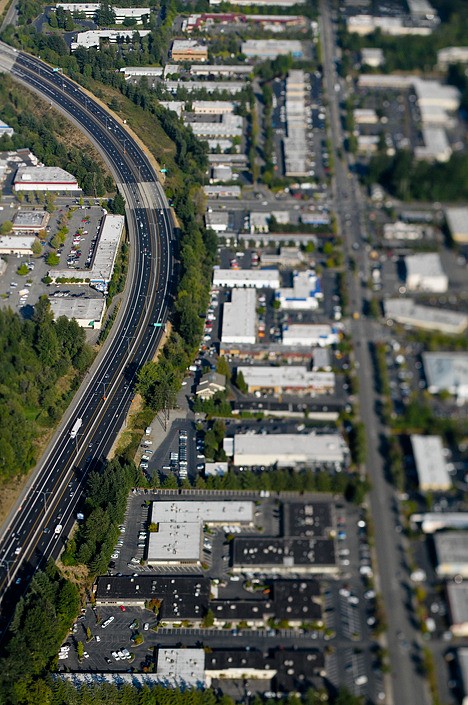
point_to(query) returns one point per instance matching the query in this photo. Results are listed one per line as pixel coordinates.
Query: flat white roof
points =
(239, 317)
(309, 331)
(204, 512)
(457, 220)
(79, 308)
(175, 542)
(107, 248)
(306, 285)
(285, 376)
(427, 264)
(92, 37)
(286, 449)
(430, 463)
(407, 311)
(237, 277)
(187, 44)
(43, 175)
(458, 601)
(16, 242)
(452, 547)
(447, 370)
(187, 666)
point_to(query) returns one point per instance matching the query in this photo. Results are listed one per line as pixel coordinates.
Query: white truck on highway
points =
(75, 428)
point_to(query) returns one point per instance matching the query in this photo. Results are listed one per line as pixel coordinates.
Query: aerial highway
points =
(46, 511)
(406, 685)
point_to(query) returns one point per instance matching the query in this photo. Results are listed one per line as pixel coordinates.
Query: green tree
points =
(222, 366)
(80, 650)
(36, 248)
(6, 227)
(241, 384)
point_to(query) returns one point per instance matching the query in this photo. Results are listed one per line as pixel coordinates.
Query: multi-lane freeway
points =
(31, 535)
(406, 684)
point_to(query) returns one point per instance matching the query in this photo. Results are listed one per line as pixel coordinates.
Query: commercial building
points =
(93, 37)
(229, 87)
(434, 93)
(457, 599)
(16, 244)
(436, 145)
(246, 278)
(421, 10)
(462, 660)
(180, 597)
(44, 178)
(408, 231)
(322, 360)
(217, 220)
(102, 268)
(88, 313)
(259, 3)
(221, 173)
(188, 50)
(239, 317)
(6, 130)
(121, 13)
(272, 48)
(240, 70)
(142, 71)
(213, 107)
(407, 312)
(287, 380)
(210, 384)
(437, 521)
(424, 272)
(213, 191)
(365, 116)
(183, 667)
(457, 221)
(372, 57)
(310, 335)
(295, 143)
(446, 371)
(305, 293)
(290, 450)
(30, 221)
(176, 543)
(393, 26)
(431, 466)
(287, 257)
(452, 55)
(451, 553)
(226, 125)
(308, 519)
(211, 513)
(283, 555)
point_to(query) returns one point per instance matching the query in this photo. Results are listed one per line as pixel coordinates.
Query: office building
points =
(184, 667)
(188, 50)
(271, 48)
(239, 317)
(16, 244)
(290, 450)
(282, 556)
(93, 37)
(88, 313)
(121, 13)
(436, 146)
(30, 221)
(305, 293)
(431, 466)
(424, 272)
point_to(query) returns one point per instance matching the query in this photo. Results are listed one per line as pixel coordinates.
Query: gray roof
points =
(446, 370)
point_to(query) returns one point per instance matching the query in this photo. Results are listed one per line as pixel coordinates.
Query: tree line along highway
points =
(52, 495)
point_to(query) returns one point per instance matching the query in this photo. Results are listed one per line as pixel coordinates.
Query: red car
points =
(124, 609)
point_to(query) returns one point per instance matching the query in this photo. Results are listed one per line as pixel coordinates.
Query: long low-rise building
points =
(212, 513)
(437, 521)
(229, 87)
(88, 313)
(240, 70)
(457, 598)
(304, 294)
(431, 466)
(407, 312)
(16, 244)
(44, 178)
(451, 553)
(142, 71)
(447, 371)
(239, 318)
(452, 55)
(94, 37)
(246, 278)
(290, 450)
(310, 335)
(89, 9)
(287, 380)
(272, 48)
(188, 50)
(283, 555)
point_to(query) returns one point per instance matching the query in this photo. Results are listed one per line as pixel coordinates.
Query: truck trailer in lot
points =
(75, 428)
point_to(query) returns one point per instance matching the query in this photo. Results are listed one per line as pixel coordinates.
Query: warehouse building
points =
(246, 278)
(213, 191)
(407, 312)
(217, 220)
(408, 231)
(176, 544)
(424, 272)
(44, 178)
(447, 371)
(93, 37)
(271, 48)
(457, 221)
(290, 450)
(30, 221)
(283, 555)
(308, 519)
(88, 313)
(305, 293)
(188, 50)
(437, 521)
(431, 466)
(310, 335)
(287, 380)
(393, 26)
(230, 87)
(16, 244)
(239, 317)
(213, 107)
(451, 553)
(212, 513)
(183, 668)
(457, 599)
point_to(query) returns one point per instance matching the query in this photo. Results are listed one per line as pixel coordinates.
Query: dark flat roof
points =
(307, 520)
(264, 551)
